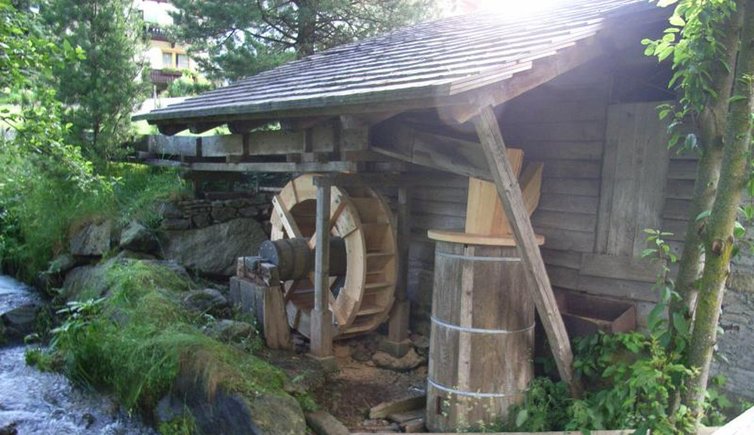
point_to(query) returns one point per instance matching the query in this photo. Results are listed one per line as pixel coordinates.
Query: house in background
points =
(167, 60)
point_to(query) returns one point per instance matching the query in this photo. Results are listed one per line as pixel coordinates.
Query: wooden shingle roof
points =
(427, 61)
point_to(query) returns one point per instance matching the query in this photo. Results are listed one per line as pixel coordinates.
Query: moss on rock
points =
(142, 344)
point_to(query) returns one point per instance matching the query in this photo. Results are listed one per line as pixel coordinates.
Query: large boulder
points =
(229, 412)
(19, 322)
(85, 282)
(91, 239)
(232, 331)
(90, 282)
(208, 300)
(53, 277)
(410, 360)
(277, 413)
(137, 237)
(213, 250)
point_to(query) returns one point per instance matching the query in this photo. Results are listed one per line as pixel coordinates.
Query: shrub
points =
(190, 83)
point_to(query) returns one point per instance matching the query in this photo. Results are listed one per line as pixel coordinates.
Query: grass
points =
(140, 340)
(35, 223)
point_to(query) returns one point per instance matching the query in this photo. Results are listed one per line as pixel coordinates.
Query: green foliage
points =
(634, 377)
(641, 379)
(101, 89)
(36, 133)
(139, 340)
(307, 402)
(183, 425)
(716, 404)
(545, 407)
(190, 83)
(692, 41)
(37, 210)
(245, 37)
(34, 155)
(41, 359)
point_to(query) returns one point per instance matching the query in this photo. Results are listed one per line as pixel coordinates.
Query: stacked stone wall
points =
(201, 213)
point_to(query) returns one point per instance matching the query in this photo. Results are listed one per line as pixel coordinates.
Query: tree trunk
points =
(711, 128)
(718, 237)
(307, 25)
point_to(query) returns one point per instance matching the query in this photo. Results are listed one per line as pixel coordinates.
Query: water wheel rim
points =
(347, 225)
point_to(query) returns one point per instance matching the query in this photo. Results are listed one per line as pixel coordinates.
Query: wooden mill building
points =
(424, 108)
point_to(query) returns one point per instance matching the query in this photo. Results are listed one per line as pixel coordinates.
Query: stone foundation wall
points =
(736, 344)
(201, 213)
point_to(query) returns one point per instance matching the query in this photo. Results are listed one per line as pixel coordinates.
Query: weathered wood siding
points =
(564, 124)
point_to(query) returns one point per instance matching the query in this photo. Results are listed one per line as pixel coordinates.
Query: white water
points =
(34, 402)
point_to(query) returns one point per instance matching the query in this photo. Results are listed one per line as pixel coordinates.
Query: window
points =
(167, 60)
(182, 61)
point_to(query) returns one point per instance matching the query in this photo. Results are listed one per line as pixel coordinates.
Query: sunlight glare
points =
(516, 8)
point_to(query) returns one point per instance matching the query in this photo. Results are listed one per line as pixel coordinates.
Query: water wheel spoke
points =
(333, 219)
(289, 224)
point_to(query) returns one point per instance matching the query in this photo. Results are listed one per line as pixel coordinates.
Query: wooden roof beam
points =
(305, 123)
(430, 150)
(365, 120)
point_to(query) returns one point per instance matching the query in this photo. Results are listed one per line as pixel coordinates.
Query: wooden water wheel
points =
(361, 298)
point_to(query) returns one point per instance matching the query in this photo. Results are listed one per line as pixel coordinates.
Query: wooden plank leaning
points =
(489, 134)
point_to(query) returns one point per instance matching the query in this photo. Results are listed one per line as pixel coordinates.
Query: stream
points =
(34, 402)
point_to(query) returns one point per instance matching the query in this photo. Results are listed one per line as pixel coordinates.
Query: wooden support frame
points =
(397, 342)
(322, 318)
(488, 130)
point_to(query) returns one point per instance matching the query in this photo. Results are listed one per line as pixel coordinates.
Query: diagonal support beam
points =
(506, 182)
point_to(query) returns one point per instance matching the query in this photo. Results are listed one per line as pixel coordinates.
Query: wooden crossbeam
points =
(431, 150)
(506, 182)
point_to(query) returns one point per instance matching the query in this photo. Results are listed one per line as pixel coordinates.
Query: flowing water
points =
(33, 402)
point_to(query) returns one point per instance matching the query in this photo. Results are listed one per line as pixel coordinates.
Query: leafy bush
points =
(634, 378)
(190, 83)
(34, 156)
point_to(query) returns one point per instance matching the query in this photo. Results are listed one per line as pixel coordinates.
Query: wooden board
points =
(531, 185)
(635, 167)
(484, 212)
(476, 239)
(619, 267)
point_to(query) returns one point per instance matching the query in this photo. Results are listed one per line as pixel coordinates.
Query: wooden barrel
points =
(482, 340)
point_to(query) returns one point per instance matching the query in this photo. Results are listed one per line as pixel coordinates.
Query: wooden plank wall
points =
(562, 124)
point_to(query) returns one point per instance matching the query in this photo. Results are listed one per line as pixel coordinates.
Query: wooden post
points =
(398, 343)
(321, 318)
(506, 182)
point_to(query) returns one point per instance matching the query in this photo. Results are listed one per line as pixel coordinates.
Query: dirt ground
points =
(358, 385)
